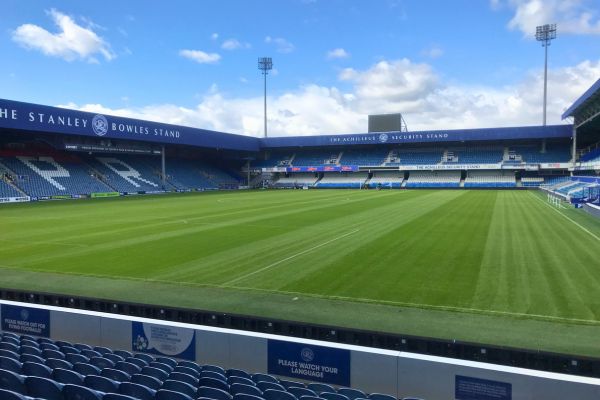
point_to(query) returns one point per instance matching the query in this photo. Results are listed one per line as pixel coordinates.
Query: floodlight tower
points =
(545, 34)
(265, 64)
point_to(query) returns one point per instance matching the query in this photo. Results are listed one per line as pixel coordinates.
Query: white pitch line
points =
(228, 283)
(580, 226)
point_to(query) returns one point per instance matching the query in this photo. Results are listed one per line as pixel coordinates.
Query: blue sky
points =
(443, 64)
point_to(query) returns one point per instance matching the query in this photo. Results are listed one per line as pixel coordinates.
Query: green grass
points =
(499, 267)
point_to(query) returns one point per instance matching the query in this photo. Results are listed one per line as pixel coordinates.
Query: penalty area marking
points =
(579, 225)
(239, 278)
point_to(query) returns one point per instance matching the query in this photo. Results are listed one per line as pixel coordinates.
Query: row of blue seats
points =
(7, 190)
(490, 184)
(432, 184)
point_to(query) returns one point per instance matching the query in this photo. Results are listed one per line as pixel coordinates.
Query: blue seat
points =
(244, 396)
(86, 369)
(214, 383)
(9, 346)
(166, 360)
(213, 368)
(67, 376)
(320, 388)
(62, 343)
(58, 363)
(9, 354)
(136, 390)
(179, 376)
(146, 380)
(272, 394)
(190, 364)
(245, 389)
(127, 367)
(12, 381)
(237, 372)
(181, 387)
(42, 387)
(352, 394)
(264, 378)
(213, 393)
(186, 370)
(123, 353)
(117, 396)
(10, 364)
(35, 369)
(69, 350)
(77, 392)
(101, 362)
(164, 367)
(76, 358)
(90, 353)
(213, 374)
(155, 372)
(137, 361)
(8, 395)
(50, 353)
(290, 384)
(299, 392)
(113, 357)
(164, 394)
(146, 357)
(240, 379)
(101, 383)
(310, 398)
(115, 375)
(102, 350)
(82, 346)
(381, 396)
(332, 396)
(32, 358)
(30, 350)
(269, 386)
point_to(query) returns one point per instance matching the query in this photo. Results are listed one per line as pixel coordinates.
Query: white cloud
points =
(234, 44)
(414, 89)
(432, 52)
(200, 56)
(572, 16)
(337, 53)
(72, 42)
(283, 46)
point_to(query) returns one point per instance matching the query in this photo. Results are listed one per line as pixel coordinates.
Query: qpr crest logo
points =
(24, 314)
(307, 354)
(100, 125)
(383, 137)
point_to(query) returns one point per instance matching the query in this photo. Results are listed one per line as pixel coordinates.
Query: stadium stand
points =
(490, 179)
(99, 373)
(474, 155)
(362, 157)
(6, 190)
(126, 173)
(343, 180)
(532, 154)
(316, 157)
(386, 179)
(419, 156)
(433, 179)
(296, 180)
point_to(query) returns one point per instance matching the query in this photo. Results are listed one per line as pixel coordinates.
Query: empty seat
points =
(8, 395)
(42, 387)
(352, 394)
(164, 394)
(47, 346)
(289, 384)
(213, 393)
(166, 360)
(213, 374)
(165, 367)
(27, 342)
(77, 392)
(113, 357)
(58, 363)
(10, 380)
(137, 361)
(146, 380)
(332, 396)
(86, 369)
(179, 376)
(102, 350)
(101, 383)
(31, 358)
(214, 368)
(136, 390)
(101, 362)
(214, 383)
(30, 350)
(272, 394)
(115, 375)
(269, 385)
(35, 369)
(69, 350)
(239, 379)
(146, 357)
(9, 346)
(310, 398)
(189, 364)
(244, 396)
(246, 389)
(155, 372)
(181, 387)
(237, 372)
(320, 388)
(82, 346)
(264, 378)
(9, 354)
(90, 353)
(62, 343)
(299, 392)
(76, 358)
(123, 353)
(67, 376)
(10, 364)
(381, 396)
(117, 396)
(128, 367)
(187, 371)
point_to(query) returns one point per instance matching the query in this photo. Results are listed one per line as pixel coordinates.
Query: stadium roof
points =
(589, 99)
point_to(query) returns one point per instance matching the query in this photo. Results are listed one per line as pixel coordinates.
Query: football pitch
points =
(497, 267)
